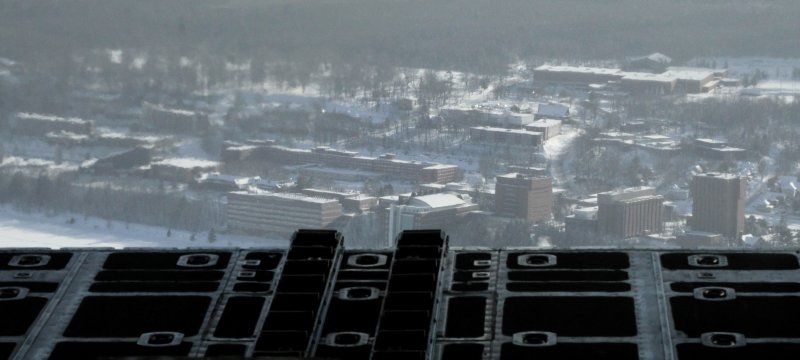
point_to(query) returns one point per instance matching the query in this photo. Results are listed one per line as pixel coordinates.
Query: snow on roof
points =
(43, 117)
(160, 107)
(441, 166)
(729, 149)
(657, 57)
(544, 123)
(66, 135)
(242, 147)
(656, 137)
(436, 201)
(504, 130)
(719, 175)
(287, 196)
(217, 177)
(710, 141)
(186, 163)
(639, 76)
(689, 73)
(579, 69)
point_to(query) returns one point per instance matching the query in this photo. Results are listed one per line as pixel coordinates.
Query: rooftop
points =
(689, 73)
(287, 196)
(187, 162)
(436, 201)
(579, 69)
(53, 118)
(513, 131)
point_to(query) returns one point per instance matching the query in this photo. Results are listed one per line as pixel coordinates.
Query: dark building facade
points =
(718, 204)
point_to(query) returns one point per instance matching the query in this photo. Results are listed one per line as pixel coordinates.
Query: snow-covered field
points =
(18, 229)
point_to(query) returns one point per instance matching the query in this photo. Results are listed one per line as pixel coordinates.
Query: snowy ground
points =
(19, 229)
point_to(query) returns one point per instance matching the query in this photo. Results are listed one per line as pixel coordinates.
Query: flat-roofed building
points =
(718, 149)
(427, 212)
(575, 75)
(259, 212)
(547, 127)
(386, 164)
(502, 136)
(630, 212)
(648, 84)
(351, 201)
(524, 197)
(718, 204)
(691, 80)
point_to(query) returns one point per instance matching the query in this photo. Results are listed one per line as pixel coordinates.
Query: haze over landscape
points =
(543, 123)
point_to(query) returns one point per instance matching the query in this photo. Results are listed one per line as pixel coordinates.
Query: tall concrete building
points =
(630, 212)
(718, 204)
(279, 213)
(524, 197)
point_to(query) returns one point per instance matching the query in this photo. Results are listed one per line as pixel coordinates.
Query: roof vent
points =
(160, 339)
(346, 339)
(536, 260)
(29, 260)
(723, 340)
(198, 260)
(534, 338)
(708, 260)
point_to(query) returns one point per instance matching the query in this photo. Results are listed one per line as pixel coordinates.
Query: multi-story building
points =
(718, 204)
(524, 197)
(503, 136)
(427, 212)
(488, 116)
(423, 172)
(630, 212)
(547, 127)
(261, 212)
(674, 79)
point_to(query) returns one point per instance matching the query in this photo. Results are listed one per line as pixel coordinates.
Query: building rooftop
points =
(726, 176)
(511, 131)
(544, 123)
(579, 69)
(287, 196)
(187, 163)
(689, 73)
(639, 76)
(436, 201)
(53, 118)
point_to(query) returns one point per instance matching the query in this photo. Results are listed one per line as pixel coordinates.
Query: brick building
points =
(524, 197)
(630, 212)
